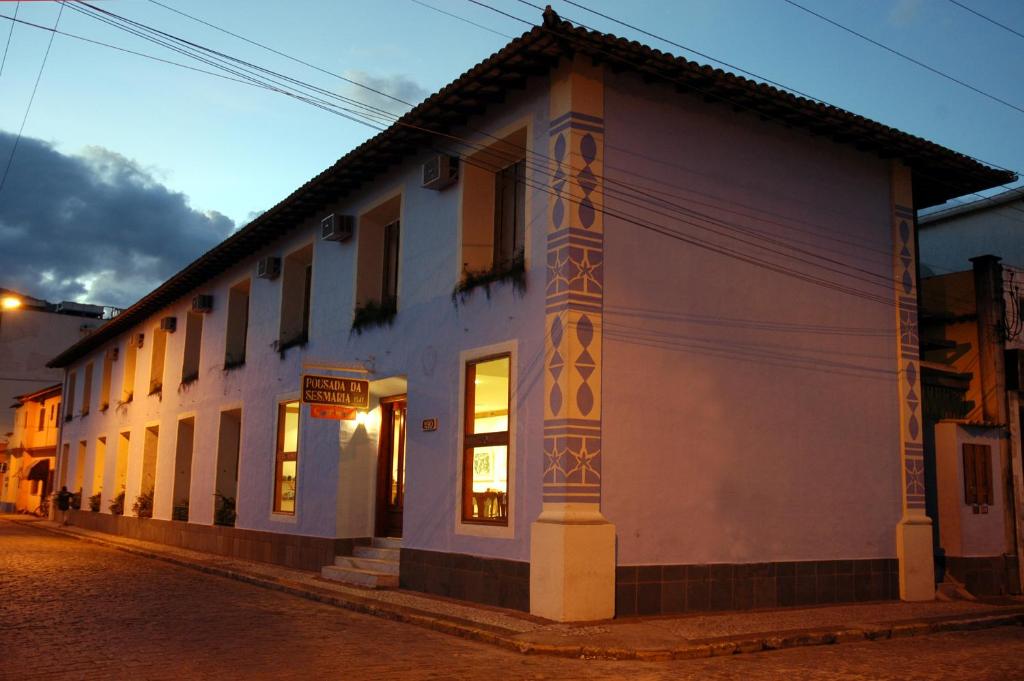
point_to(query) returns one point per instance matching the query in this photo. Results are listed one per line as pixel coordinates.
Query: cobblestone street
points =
(73, 609)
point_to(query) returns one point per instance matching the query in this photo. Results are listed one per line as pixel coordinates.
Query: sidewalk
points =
(649, 638)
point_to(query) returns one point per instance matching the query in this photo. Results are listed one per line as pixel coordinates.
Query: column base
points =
(917, 562)
(572, 564)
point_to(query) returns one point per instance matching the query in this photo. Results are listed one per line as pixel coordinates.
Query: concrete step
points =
(367, 578)
(372, 564)
(387, 542)
(377, 553)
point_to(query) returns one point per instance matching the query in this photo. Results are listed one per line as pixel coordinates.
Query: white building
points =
(653, 349)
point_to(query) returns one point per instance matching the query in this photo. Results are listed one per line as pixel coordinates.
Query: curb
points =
(701, 648)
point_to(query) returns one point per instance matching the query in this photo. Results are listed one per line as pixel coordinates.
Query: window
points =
(184, 448)
(286, 471)
(977, 475)
(238, 325)
(69, 403)
(156, 361)
(108, 368)
(296, 289)
(494, 207)
(193, 346)
(486, 441)
(42, 418)
(378, 262)
(87, 389)
(128, 380)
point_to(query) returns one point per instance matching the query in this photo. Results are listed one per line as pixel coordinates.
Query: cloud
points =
(904, 12)
(94, 227)
(399, 86)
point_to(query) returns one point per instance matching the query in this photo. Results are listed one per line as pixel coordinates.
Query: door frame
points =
(384, 459)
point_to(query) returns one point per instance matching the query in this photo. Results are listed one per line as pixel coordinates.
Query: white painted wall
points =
(337, 462)
(739, 424)
(963, 532)
(948, 245)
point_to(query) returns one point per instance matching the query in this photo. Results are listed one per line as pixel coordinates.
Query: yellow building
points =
(30, 458)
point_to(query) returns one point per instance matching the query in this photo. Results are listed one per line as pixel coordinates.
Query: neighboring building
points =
(654, 349)
(32, 331)
(983, 226)
(30, 458)
(972, 336)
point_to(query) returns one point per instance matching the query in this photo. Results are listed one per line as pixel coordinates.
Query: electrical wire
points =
(28, 108)
(7, 44)
(715, 247)
(906, 57)
(988, 19)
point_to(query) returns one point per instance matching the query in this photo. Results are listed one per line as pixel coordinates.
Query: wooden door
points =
(391, 467)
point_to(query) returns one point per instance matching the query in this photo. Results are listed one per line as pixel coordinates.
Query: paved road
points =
(71, 609)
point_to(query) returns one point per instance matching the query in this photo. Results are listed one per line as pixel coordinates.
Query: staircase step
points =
(372, 564)
(387, 542)
(367, 578)
(376, 552)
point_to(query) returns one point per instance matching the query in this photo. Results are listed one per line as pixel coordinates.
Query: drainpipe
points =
(988, 294)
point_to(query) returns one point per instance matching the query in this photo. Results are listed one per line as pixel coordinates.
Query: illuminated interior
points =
(489, 466)
(287, 457)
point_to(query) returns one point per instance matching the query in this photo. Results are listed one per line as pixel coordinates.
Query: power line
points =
(988, 19)
(463, 19)
(39, 76)
(119, 49)
(667, 231)
(908, 58)
(7, 45)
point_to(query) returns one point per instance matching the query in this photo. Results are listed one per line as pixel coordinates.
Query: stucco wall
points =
(337, 462)
(948, 245)
(748, 415)
(963, 532)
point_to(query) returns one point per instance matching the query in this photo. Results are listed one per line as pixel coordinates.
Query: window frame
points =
(473, 527)
(279, 458)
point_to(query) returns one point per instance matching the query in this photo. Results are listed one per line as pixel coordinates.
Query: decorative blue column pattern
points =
(573, 313)
(911, 437)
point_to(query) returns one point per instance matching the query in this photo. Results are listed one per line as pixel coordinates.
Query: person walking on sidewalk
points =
(63, 504)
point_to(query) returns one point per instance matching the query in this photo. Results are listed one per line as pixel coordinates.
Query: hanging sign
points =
(339, 392)
(331, 411)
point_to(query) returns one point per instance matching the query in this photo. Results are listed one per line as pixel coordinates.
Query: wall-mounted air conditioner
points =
(268, 268)
(336, 227)
(169, 324)
(112, 354)
(138, 339)
(202, 303)
(440, 171)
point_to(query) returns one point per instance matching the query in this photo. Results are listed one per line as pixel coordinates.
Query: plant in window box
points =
(156, 388)
(180, 510)
(374, 313)
(225, 513)
(143, 506)
(104, 407)
(186, 380)
(512, 271)
(232, 362)
(94, 502)
(76, 500)
(117, 504)
(299, 340)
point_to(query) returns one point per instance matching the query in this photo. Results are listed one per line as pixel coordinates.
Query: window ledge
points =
(158, 390)
(191, 378)
(374, 313)
(513, 271)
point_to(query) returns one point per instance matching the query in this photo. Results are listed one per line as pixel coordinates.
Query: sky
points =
(127, 168)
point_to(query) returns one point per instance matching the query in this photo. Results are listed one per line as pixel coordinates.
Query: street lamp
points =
(10, 302)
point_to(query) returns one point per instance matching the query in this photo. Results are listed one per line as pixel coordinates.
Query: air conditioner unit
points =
(138, 339)
(202, 303)
(169, 324)
(440, 171)
(268, 268)
(112, 354)
(336, 227)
